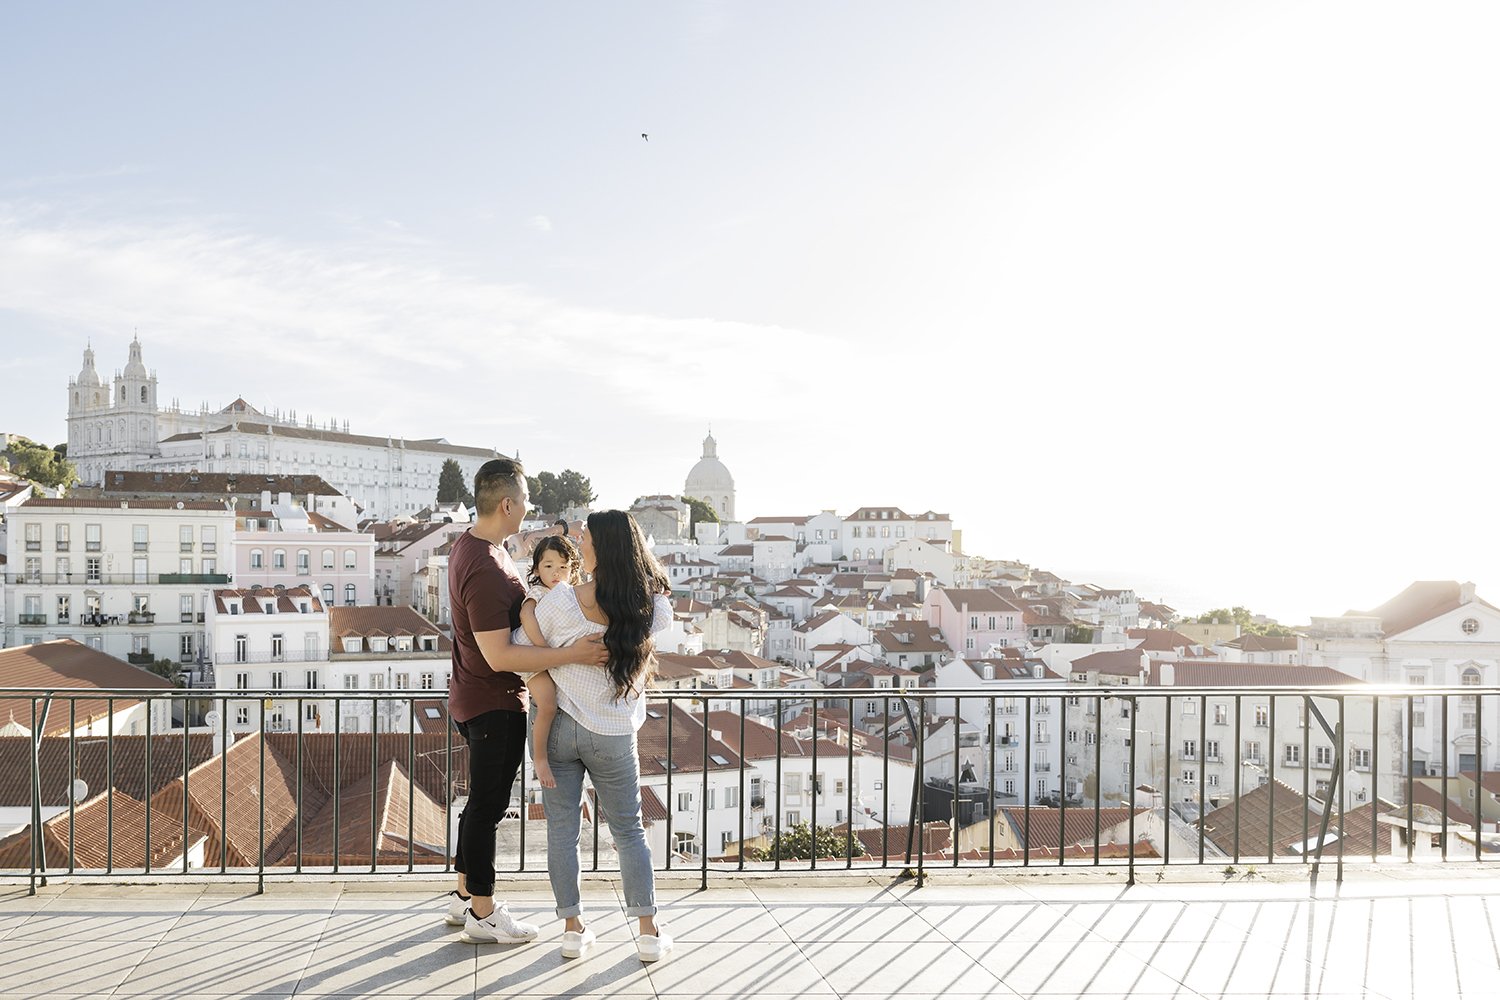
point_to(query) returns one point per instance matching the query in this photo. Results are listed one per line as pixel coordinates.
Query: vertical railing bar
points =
(1239, 765)
(299, 786)
(993, 750)
(525, 814)
(35, 791)
(703, 812)
(1062, 791)
(957, 762)
(411, 783)
(1410, 759)
(849, 792)
(338, 706)
(186, 748)
(885, 787)
(1306, 775)
(743, 804)
(223, 785)
(1338, 785)
(146, 794)
(671, 805)
(1203, 769)
(1445, 775)
(1271, 787)
(1099, 775)
(73, 778)
(817, 787)
(1130, 801)
(1374, 779)
(1166, 784)
(1026, 786)
(1478, 777)
(109, 790)
(448, 783)
(374, 795)
(776, 843)
(260, 874)
(919, 827)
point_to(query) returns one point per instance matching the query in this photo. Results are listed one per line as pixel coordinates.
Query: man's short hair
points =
(497, 479)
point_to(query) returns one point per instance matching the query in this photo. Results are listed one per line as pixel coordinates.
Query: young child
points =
(554, 560)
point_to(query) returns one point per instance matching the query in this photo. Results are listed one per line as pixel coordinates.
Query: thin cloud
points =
(539, 223)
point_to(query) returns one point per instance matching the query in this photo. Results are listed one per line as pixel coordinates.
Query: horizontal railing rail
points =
(921, 792)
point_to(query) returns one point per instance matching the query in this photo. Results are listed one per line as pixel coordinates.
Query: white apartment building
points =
(288, 641)
(1432, 634)
(1185, 747)
(869, 531)
(125, 428)
(1008, 680)
(129, 578)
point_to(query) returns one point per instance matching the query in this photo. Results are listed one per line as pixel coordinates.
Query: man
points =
(486, 696)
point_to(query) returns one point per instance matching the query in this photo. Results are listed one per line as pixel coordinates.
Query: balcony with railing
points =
(1119, 912)
(85, 578)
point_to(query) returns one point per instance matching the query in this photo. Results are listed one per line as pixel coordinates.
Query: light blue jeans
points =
(610, 761)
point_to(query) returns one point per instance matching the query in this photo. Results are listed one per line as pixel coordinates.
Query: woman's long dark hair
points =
(627, 579)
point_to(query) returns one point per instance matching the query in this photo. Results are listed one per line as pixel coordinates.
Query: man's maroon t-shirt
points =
(485, 593)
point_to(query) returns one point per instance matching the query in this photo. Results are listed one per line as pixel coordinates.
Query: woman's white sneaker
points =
(497, 928)
(654, 947)
(457, 907)
(575, 944)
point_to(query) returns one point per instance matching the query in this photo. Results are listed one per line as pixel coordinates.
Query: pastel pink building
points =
(973, 620)
(293, 547)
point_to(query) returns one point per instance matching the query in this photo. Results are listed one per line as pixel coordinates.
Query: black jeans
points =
(497, 745)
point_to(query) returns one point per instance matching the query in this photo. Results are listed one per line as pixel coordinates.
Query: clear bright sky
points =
(1198, 297)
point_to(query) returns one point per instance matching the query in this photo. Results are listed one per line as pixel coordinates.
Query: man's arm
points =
(504, 656)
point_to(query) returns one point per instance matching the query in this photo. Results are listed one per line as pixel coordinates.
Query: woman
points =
(598, 715)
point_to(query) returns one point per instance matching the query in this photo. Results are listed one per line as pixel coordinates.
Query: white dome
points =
(710, 474)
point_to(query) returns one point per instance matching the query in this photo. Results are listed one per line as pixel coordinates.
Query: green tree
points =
(41, 464)
(553, 494)
(452, 487)
(169, 669)
(1241, 616)
(798, 844)
(699, 510)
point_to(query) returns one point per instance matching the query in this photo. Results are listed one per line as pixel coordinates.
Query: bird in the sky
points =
(646, 137)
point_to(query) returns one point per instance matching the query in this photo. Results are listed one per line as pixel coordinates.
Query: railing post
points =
(1130, 799)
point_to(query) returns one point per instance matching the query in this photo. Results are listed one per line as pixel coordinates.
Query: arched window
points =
(304, 561)
(143, 394)
(349, 559)
(349, 593)
(328, 563)
(257, 559)
(96, 399)
(109, 433)
(327, 595)
(278, 559)
(1469, 678)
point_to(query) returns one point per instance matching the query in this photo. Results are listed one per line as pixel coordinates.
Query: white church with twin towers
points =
(121, 426)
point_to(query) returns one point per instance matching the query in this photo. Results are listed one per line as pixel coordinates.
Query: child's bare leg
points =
(544, 697)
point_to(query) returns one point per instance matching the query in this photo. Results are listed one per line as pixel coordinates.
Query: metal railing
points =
(83, 578)
(318, 769)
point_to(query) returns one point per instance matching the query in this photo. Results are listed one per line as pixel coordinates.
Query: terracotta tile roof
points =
(1286, 827)
(92, 765)
(336, 437)
(737, 550)
(250, 600)
(1252, 643)
(652, 810)
(874, 514)
(890, 842)
(386, 620)
(1156, 640)
(1122, 662)
(1046, 828)
(80, 503)
(90, 836)
(816, 622)
(1418, 603)
(183, 484)
(687, 743)
(978, 600)
(63, 664)
(397, 799)
(779, 520)
(1198, 673)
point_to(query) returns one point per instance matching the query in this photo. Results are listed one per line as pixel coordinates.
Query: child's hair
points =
(564, 547)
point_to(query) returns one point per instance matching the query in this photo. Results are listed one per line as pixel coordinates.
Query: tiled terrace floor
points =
(1383, 934)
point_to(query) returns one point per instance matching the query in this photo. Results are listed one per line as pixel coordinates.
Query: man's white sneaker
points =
(457, 907)
(654, 947)
(497, 928)
(575, 944)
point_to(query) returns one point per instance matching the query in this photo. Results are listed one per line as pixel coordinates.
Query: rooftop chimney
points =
(1466, 593)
